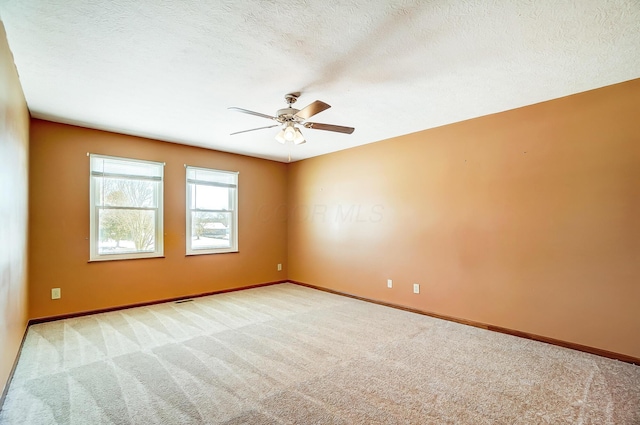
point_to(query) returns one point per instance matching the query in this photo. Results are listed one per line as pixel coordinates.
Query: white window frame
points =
(94, 225)
(233, 231)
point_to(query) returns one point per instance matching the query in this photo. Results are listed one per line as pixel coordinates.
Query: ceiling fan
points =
(290, 119)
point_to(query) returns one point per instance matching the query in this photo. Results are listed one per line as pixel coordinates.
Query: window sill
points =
(102, 260)
(195, 254)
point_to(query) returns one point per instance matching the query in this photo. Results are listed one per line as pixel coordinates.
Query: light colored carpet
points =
(286, 354)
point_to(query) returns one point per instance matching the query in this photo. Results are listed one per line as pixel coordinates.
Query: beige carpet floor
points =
(286, 354)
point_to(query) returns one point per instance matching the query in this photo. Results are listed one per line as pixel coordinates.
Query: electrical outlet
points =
(389, 283)
(416, 288)
(55, 293)
(279, 267)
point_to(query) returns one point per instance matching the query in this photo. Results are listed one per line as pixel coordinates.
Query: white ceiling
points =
(169, 69)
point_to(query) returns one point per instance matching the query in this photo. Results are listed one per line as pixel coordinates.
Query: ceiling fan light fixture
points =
(299, 138)
(290, 133)
(280, 137)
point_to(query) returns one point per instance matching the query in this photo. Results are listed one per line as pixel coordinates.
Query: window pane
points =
(126, 193)
(126, 231)
(210, 197)
(210, 230)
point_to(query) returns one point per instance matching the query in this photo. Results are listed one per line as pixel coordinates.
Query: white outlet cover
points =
(389, 283)
(416, 288)
(55, 293)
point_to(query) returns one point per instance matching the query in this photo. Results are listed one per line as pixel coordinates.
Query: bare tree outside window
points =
(130, 225)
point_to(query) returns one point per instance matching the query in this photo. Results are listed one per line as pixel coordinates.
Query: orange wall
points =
(59, 224)
(527, 219)
(14, 155)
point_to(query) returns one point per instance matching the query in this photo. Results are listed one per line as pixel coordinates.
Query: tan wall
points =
(59, 224)
(528, 219)
(14, 155)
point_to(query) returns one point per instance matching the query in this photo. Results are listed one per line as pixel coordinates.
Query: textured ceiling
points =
(169, 69)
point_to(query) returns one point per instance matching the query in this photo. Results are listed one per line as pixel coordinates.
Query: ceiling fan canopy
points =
(291, 118)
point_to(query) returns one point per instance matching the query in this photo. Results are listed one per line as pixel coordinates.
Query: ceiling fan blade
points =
(254, 129)
(329, 127)
(312, 109)
(246, 111)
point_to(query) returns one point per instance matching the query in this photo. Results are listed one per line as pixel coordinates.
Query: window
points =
(212, 215)
(126, 208)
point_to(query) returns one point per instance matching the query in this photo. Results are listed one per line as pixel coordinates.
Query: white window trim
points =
(233, 236)
(94, 228)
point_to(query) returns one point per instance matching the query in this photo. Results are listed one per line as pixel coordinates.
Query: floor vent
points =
(184, 301)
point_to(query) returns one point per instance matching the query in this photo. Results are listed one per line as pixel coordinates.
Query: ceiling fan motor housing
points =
(287, 115)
